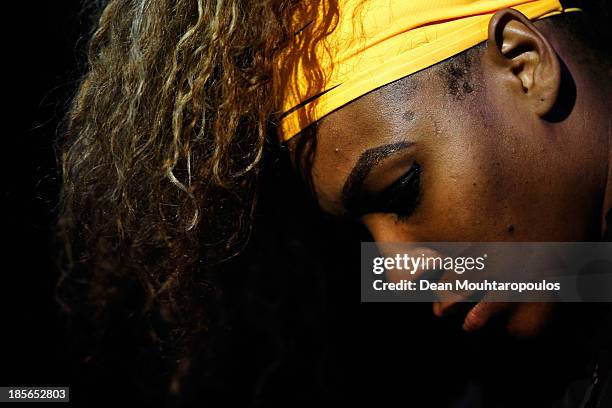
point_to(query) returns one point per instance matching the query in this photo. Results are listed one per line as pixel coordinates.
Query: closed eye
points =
(400, 198)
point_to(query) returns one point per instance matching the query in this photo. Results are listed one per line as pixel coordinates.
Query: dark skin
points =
(493, 165)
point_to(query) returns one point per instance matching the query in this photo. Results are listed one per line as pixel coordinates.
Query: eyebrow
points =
(352, 191)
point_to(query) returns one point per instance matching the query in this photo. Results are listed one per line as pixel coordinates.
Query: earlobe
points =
(516, 47)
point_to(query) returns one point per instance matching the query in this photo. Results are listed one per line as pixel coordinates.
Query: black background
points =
(42, 44)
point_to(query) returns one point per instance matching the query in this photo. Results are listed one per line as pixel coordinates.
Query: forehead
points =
(380, 117)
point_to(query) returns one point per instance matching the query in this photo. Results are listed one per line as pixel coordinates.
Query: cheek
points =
(480, 184)
(473, 187)
(465, 193)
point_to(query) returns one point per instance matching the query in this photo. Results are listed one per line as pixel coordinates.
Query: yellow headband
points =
(376, 42)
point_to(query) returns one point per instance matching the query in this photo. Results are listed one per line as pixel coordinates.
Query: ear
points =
(521, 52)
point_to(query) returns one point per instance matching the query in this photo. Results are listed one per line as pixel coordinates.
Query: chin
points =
(529, 319)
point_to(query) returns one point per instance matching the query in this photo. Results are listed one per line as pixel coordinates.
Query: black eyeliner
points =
(399, 198)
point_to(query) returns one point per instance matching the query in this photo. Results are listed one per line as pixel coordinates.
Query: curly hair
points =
(161, 155)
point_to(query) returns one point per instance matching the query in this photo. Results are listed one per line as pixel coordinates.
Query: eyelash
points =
(402, 197)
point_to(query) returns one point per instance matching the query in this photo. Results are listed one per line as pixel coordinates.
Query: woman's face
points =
(448, 155)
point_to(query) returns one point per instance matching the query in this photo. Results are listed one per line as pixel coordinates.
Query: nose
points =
(386, 228)
(394, 239)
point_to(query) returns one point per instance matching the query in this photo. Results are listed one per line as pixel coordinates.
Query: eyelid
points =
(379, 202)
(401, 185)
(406, 210)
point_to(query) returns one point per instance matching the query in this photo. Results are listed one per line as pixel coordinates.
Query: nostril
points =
(384, 228)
